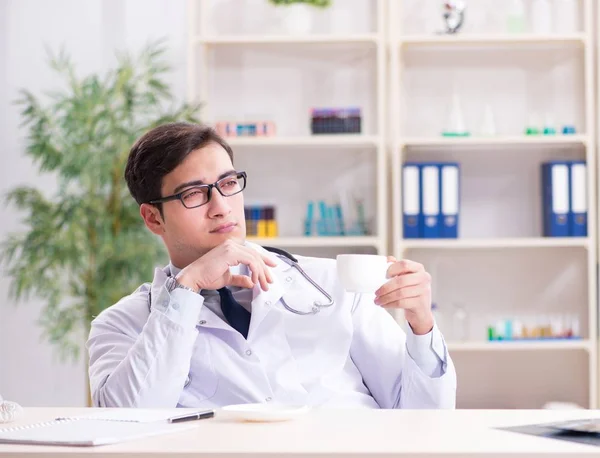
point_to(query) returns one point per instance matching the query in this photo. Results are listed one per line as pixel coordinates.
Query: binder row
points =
(564, 198)
(431, 199)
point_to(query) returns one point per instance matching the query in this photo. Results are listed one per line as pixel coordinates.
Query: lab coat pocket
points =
(319, 342)
(202, 380)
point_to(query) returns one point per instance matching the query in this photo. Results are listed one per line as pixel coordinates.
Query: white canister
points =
(566, 16)
(296, 18)
(541, 17)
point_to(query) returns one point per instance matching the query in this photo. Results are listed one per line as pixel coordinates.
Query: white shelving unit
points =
(491, 39)
(496, 243)
(501, 266)
(358, 39)
(517, 346)
(317, 141)
(499, 141)
(222, 60)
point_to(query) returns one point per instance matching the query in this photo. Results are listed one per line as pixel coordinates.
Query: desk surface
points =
(320, 433)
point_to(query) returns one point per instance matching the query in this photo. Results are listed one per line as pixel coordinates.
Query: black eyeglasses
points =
(200, 195)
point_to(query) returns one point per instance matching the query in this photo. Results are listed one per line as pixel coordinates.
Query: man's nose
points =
(218, 205)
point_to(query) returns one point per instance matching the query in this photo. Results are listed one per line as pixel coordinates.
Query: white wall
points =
(90, 30)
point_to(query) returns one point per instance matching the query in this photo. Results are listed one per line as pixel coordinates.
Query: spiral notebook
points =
(86, 432)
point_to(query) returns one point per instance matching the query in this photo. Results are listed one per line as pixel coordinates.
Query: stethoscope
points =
(293, 262)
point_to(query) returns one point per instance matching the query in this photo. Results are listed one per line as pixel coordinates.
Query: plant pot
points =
(296, 18)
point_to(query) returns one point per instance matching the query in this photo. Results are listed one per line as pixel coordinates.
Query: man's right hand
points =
(211, 271)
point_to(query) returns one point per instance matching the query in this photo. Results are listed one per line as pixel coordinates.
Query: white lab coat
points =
(179, 353)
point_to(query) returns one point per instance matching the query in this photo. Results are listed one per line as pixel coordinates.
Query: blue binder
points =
(578, 194)
(430, 200)
(450, 198)
(556, 198)
(411, 201)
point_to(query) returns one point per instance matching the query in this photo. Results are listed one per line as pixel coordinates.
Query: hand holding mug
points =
(400, 284)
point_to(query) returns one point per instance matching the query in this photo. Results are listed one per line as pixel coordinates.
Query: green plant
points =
(85, 246)
(315, 3)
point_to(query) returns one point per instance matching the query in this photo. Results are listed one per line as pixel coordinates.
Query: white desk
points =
(356, 433)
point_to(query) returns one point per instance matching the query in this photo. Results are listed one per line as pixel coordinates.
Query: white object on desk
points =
(263, 412)
(85, 432)
(134, 415)
(9, 411)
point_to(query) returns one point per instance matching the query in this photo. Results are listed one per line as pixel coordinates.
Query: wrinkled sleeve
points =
(400, 370)
(147, 367)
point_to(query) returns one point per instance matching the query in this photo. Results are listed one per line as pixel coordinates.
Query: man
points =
(214, 328)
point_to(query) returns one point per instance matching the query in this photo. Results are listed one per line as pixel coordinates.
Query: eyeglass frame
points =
(215, 185)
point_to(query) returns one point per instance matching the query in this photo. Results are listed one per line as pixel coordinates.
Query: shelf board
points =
(361, 241)
(492, 39)
(517, 140)
(581, 344)
(307, 141)
(369, 39)
(524, 242)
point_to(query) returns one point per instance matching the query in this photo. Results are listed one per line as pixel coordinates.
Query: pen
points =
(192, 416)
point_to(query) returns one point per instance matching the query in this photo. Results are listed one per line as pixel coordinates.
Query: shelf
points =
(519, 346)
(366, 141)
(525, 242)
(365, 241)
(516, 140)
(369, 39)
(487, 40)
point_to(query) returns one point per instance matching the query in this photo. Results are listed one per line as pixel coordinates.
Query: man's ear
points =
(152, 218)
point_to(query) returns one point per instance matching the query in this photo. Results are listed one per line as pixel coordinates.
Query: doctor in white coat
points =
(212, 329)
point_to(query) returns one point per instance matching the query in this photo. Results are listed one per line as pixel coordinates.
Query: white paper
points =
(134, 415)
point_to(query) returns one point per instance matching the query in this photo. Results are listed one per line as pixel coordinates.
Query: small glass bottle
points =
(438, 316)
(460, 325)
(516, 17)
(566, 16)
(541, 17)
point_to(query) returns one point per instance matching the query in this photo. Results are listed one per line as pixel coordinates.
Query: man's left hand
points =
(409, 288)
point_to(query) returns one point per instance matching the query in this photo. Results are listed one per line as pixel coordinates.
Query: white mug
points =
(362, 273)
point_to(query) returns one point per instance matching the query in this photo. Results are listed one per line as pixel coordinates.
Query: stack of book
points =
(335, 121)
(245, 129)
(260, 221)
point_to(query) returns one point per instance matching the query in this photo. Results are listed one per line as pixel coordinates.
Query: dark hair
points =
(159, 151)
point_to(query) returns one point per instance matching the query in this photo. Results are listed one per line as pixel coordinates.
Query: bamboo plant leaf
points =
(83, 246)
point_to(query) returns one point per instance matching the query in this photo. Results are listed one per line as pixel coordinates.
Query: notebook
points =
(87, 431)
(131, 414)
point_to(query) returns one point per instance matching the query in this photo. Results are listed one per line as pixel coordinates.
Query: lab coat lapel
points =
(263, 302)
